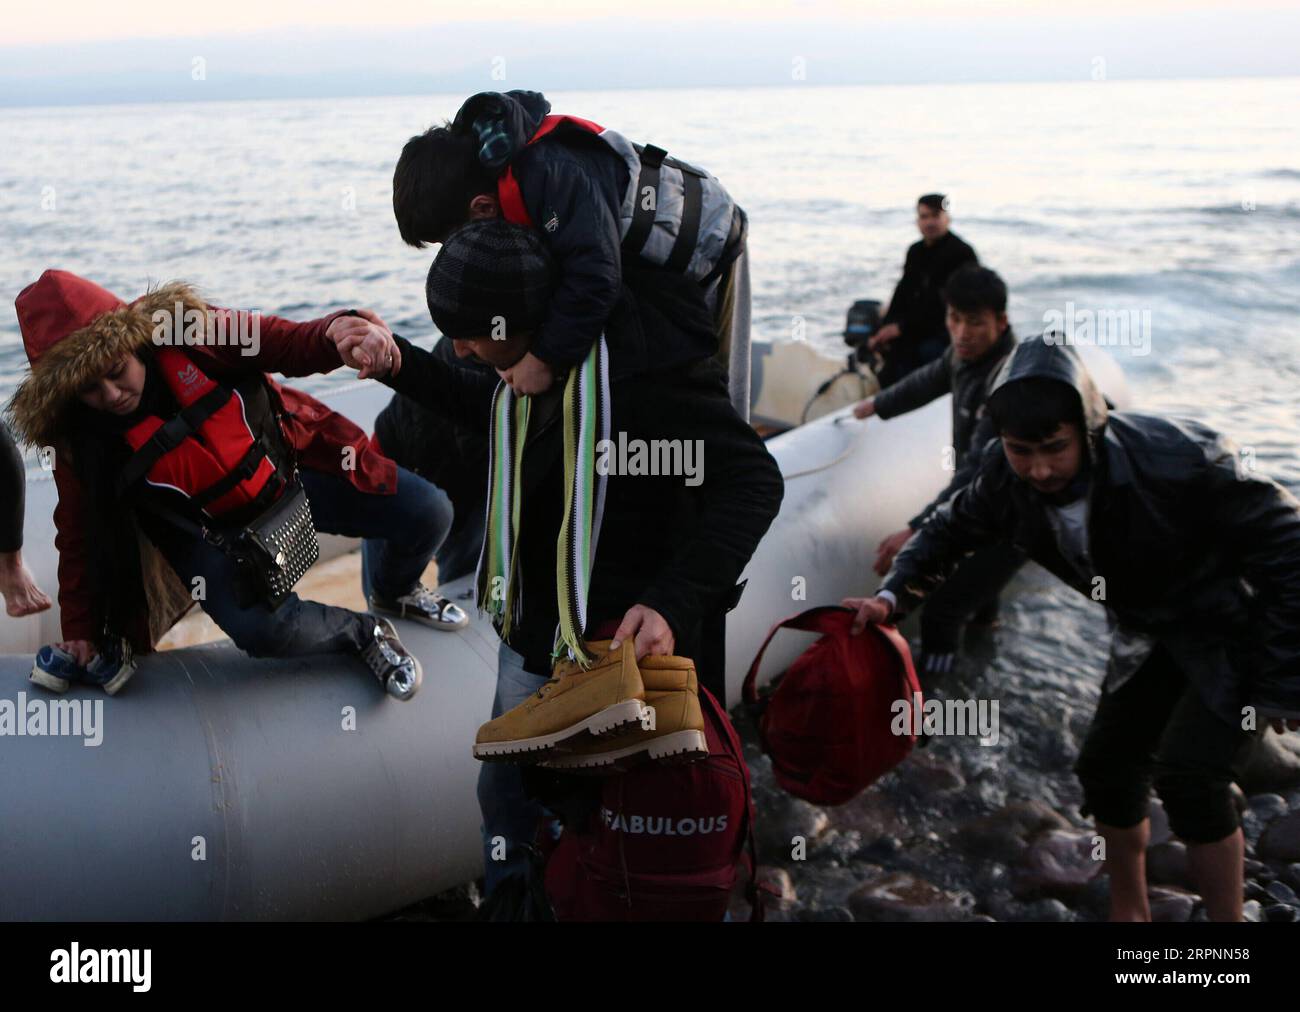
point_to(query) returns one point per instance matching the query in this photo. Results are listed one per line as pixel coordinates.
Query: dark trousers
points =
(409, 525)
(1156, 730)
(972, 588)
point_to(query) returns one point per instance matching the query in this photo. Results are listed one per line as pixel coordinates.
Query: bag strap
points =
(643, 218)
(688, 233)
(170, 435)
(819, 619)
(755, 892)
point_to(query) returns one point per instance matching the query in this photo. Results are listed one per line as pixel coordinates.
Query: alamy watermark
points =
(191, 326)
(1105, 328)
(946, 718)
(654, 457)
(35, 718)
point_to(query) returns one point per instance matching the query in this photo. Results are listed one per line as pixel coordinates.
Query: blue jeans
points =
(509, 815)
(416, 517)
(401, 531)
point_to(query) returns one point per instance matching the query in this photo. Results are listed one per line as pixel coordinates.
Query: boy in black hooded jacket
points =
(1197, 561)
(573, 187)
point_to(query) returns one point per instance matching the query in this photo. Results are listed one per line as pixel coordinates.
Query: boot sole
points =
(628, 711)
(46, 680)
(680, 746)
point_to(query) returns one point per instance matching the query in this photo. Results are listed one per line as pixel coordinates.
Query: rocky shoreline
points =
(967, 832)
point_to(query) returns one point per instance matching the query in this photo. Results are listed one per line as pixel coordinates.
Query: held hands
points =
(890, 547)
(652, 632)
(366, 343)
(870, 611)
(530, 375)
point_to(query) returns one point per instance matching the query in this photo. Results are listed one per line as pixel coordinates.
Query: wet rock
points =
(1291, 874)
(1252, 911)
(1160, 831)
(1273, 765)
(1281, 840)
(838, 915)
(898, 896)
(1167, 863)
(1003, 836)
(837, 847)
(1050, 910)
(1254, 868)
(1253, 890)
(873, 814)
(1268, 807)
(1282, 892)
(1058, 863)
(822, 886)
(928, 773)
(881, 849)
(778, 885)
(1280, 913)
(783, 821)
(1170, 905)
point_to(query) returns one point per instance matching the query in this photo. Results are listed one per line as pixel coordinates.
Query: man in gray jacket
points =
(976, 316)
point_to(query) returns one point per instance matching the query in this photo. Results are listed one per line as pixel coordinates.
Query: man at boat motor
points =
(912, 332)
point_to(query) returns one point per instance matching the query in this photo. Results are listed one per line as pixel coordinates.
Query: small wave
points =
(1279, 174)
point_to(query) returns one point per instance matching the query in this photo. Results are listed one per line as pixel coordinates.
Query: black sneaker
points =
(424, 606)
(398, 671)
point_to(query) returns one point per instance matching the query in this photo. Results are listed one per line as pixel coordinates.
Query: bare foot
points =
(22, 596)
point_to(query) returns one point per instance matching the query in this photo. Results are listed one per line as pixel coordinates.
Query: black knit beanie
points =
(489, 273)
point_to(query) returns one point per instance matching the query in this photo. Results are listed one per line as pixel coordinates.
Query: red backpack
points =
(664, 843)
(827, 723)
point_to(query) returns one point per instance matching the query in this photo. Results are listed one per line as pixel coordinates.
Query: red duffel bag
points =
(665, 842)
(828, 721)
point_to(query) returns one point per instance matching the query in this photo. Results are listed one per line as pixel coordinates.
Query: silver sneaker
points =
(424, 606)
(397, 669)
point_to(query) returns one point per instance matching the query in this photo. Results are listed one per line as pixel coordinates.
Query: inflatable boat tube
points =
(223, 787)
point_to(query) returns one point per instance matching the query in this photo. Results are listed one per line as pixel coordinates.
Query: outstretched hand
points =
(870, 611)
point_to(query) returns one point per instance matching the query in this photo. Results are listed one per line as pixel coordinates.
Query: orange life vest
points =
(208, 451)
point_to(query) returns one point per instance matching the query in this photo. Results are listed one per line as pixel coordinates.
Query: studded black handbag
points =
(272, 551)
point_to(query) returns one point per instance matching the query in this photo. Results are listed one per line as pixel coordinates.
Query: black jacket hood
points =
(1045, 358)
(503, 123)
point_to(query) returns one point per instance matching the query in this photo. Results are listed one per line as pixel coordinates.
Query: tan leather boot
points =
(675, 730)
(604, 698)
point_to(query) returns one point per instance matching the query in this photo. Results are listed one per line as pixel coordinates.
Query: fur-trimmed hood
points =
(74, 331)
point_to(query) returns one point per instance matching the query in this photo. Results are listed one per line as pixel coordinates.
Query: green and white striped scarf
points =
(586, 423)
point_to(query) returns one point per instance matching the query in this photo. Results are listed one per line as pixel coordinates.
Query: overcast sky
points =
(73, 51)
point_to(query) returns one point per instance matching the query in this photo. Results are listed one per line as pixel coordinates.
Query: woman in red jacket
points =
(163, 427)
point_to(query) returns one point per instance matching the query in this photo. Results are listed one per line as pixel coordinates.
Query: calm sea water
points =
(1178, 200)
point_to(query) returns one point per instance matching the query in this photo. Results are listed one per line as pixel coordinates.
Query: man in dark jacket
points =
(1197, 561)
(573, 187)
(912, 332)
(448, 454)
(669, 551)
(976, 318)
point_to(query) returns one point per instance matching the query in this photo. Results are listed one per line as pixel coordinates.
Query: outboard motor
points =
(863, 321)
